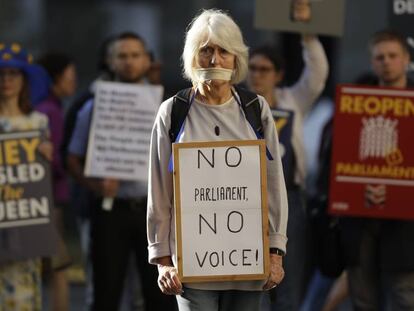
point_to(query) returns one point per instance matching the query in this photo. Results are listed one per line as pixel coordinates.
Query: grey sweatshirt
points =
(200, 126)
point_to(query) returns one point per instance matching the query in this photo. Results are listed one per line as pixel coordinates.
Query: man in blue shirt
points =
(115, 233)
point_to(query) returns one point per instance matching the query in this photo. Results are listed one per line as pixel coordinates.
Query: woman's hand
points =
(109, 187)
(301, 10)
(276, 272)
(168, 280)
(46, 150)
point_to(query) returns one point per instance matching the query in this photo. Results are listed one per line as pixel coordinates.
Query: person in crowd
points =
(62, 71)
(214, 60)
(117, 233)
(380, 266)
(328, 287)
(266, 72)
(20, 264)
(80, 196)
(154, 72)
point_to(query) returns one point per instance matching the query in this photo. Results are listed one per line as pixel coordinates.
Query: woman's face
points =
(67, 81)
(11, 82)
(262, 76)
(213, 56)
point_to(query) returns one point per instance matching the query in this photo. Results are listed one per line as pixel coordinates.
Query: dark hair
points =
(130, 35)
(272, 54)
(24, 97)
(124, 36)
(55, 64)
(388, 35)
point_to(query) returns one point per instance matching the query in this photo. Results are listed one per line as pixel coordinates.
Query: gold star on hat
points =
(6, 56)
(16, 48)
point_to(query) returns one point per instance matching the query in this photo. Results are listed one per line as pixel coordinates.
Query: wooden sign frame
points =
(264, 207)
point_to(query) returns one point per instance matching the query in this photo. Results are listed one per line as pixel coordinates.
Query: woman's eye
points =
(206, 50)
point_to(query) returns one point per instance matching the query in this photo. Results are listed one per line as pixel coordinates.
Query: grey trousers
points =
(219, 300)
(374, 289)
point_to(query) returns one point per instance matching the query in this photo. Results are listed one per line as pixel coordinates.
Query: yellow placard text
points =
(373, 105)
(369, 170)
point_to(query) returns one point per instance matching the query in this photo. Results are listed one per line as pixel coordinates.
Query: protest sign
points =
(284, 125)
(221, 210)
(372, 170)
(327, 17)
(26, 205)
(25, 186)
(121, 126)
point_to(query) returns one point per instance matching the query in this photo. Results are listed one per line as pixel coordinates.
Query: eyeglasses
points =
(10, 73)
(260, 69)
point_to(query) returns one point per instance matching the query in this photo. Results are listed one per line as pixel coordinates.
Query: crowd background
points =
(78, 28)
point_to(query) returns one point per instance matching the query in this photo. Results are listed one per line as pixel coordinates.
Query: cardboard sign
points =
(26, 205)
(25, 187)
(327, 17)
(221, 210)
(372, 172)
(284, 125)
(119, 139)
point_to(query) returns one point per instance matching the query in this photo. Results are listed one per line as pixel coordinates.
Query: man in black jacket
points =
(380, 253)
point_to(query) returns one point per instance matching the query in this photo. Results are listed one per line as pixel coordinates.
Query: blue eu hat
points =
(14, 56)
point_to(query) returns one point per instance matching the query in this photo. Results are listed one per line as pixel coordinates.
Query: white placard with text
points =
(221, 210)
(119, 140)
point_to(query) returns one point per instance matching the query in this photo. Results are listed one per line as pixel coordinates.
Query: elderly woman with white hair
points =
(215, 59)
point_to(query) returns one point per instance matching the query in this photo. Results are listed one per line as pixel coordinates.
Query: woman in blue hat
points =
(21, 83)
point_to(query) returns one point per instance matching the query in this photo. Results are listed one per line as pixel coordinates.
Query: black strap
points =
(180, 107)
(251, 108)
(248, 100)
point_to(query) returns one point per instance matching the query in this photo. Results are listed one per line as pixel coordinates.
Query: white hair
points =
(216, 27)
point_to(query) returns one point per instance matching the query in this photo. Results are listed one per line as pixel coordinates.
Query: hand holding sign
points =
(301, 11)
(168, 280)
(109, 187)
(46, 150)
(276, 272)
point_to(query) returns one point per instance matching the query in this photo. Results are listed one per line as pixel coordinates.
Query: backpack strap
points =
(251, 107)
(249, 103)
(180, 107)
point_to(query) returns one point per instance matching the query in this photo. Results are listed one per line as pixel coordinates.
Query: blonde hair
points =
(219, 28)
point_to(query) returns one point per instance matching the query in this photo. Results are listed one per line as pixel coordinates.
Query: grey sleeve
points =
(312, 80)
(160, 187)
(276, 188)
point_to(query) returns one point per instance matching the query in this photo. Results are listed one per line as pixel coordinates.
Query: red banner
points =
(372, 170)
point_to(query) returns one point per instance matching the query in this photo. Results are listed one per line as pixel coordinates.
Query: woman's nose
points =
(215, 57)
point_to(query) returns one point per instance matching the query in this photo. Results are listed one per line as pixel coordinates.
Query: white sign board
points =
(122, 121)
(221, 210)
